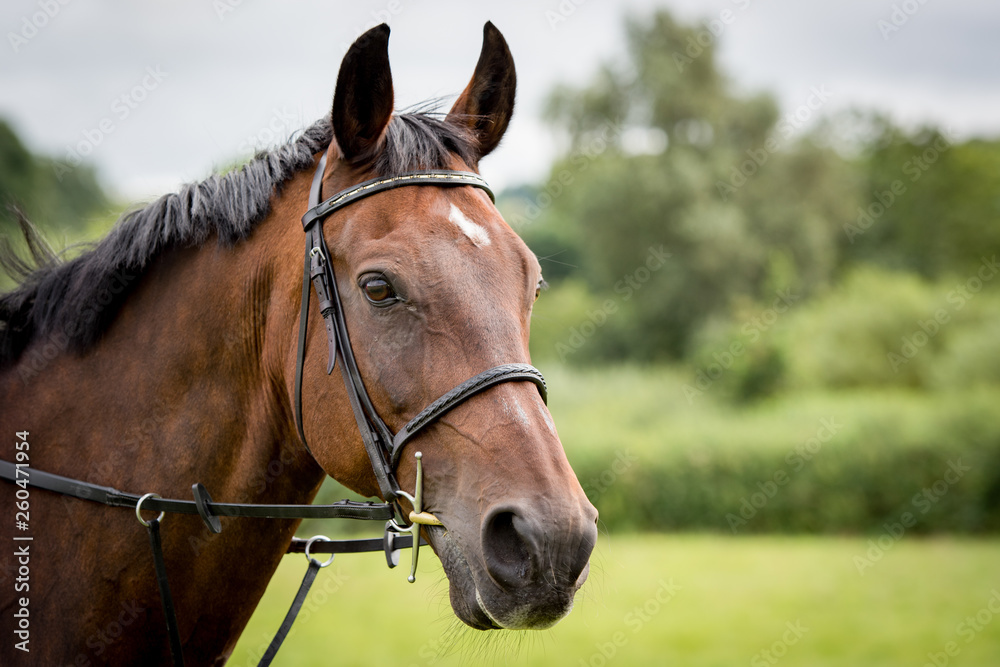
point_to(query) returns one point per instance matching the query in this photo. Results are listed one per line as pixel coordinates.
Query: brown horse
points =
(166, 356)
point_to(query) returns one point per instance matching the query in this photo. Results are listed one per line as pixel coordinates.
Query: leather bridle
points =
(384, 448)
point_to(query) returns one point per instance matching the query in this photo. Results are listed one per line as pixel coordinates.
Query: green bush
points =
(843, 464)
(876, 328)
(843, 339)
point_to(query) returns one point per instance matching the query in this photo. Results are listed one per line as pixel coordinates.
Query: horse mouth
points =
(462, 591)
(477, 602)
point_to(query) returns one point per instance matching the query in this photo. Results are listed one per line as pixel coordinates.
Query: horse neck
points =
(187, 385)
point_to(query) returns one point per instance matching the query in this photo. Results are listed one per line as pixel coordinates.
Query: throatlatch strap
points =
(153, 526)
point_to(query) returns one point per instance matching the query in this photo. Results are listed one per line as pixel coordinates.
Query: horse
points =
(166, 353)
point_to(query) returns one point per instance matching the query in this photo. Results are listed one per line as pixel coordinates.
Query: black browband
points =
(383, 447)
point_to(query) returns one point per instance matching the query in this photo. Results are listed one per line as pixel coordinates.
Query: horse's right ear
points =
(362, 103)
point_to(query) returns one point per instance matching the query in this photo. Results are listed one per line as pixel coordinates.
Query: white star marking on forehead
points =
(477, 233)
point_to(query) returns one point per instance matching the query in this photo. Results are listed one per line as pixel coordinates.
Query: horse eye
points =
(538, 288)
(378, 291)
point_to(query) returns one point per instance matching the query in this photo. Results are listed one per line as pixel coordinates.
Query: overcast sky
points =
(162, 92)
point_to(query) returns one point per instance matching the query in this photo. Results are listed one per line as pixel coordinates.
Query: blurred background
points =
(772, 333)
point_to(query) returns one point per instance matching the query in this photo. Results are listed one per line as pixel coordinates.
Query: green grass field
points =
(688, 600)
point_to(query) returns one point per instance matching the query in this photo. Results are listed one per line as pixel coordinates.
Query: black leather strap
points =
(461, 393)
(176, 651)
(298, 545)
(301, 354)
(293, 611)
(439, 177)
(344, 509)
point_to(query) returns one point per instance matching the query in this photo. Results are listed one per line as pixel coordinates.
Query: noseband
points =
(383, 447)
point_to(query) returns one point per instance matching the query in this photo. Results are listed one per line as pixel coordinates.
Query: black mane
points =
(71, 304)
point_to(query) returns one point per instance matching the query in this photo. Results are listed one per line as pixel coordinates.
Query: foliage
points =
(931, 204)
(873, 328)
(652, 458)
(665, 152)
(753, 205)
(53, 195)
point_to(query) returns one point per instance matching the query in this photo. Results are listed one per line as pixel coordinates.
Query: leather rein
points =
(384, 447)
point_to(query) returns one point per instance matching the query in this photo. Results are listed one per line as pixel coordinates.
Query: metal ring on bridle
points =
(138, 509)
(309, 557)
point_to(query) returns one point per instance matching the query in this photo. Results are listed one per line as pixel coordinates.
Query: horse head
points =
(435, 288)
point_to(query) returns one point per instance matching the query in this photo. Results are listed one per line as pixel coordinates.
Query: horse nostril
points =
(506, 548)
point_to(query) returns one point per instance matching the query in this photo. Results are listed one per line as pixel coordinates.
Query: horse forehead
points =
(454, 232)
(466, 214)
(474, 231)
(419, 216)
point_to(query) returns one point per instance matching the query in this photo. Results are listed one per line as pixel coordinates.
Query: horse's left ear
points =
(362, 103)
(487, 103)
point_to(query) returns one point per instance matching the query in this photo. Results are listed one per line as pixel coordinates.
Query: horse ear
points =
(487, 103)
(362, 103)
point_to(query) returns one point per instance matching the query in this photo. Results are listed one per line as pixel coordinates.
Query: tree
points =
(663, 151)
(53, 196)
(929, 204)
